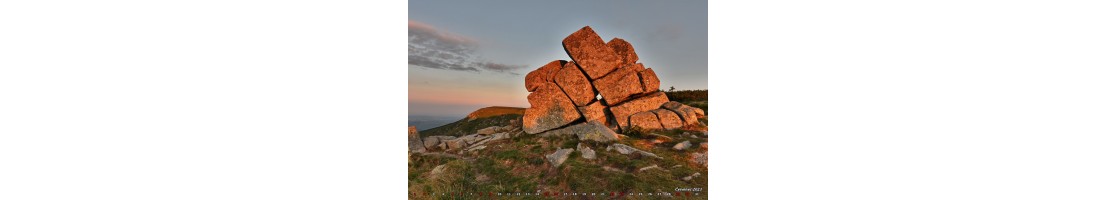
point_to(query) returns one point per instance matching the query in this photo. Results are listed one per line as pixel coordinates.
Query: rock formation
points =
(603, 83)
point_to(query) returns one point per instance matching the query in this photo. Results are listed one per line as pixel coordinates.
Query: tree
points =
(672, 89)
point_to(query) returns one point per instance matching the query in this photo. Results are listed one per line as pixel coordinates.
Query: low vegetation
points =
(519, 165)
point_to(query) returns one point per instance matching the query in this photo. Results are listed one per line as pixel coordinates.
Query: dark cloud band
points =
(435, 49)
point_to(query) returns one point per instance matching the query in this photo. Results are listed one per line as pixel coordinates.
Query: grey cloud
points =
(432, 48)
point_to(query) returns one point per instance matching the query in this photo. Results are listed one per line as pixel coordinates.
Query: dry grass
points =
(494, 111)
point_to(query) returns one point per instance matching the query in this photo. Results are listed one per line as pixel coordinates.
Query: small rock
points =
(437, 171)
(499, 136)
(436, 141)
(607, 168)
(455, 144)
(692, 176)
(587, 152)
(559, 156)
(682, 145)
(703, 145)
(479, 147)
(489, 130)
(473, 138)
(649, 168)
(625, 149)
(481, 178)
(699, 158)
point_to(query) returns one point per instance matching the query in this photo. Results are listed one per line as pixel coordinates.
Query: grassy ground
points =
(518, 165)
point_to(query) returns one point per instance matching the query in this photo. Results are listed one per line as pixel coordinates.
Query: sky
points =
(465, 55)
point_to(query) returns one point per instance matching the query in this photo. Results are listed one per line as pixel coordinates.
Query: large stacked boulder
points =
(550, 109)
(602, 86)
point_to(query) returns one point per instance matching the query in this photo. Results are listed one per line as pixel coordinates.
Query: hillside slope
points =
(484, 117)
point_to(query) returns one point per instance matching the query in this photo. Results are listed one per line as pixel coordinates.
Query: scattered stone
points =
(550, 109)
(414, 143)
(490, 130)
(692, 176)
(624, 50)
(438, 170)
(559, 156)
(625, 149)
(703, 146)
(543, 75)
(473, 138)
(434, 142)
(669, 119)
(654, 166)
(699, 158)
(455, 144)
(500, 136)
(587, 152)
(682, 145)
(645, 120)
(590, 52)
(495, 137)
(608, 168)
(657, 138)
(574, 83)
(478, 147)
(481, 178)
(676, 166)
